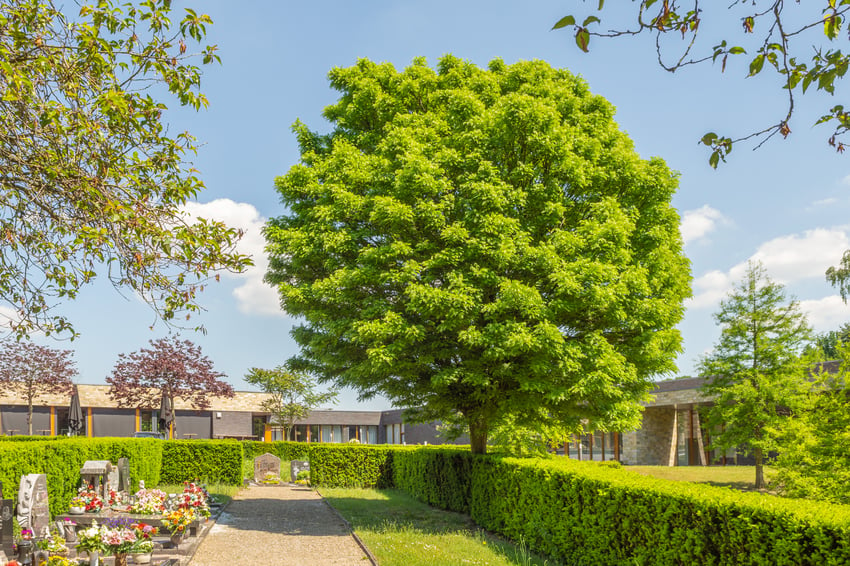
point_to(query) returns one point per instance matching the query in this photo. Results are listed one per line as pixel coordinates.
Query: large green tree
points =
(482, 243)
(814, 458)
(92, 179)
(292, 395)
(755, 373)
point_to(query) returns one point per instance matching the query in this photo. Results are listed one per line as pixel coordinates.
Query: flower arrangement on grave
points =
(149, 502)
(178, 521)
(194, 497)
(144, 534)
(88, 499)
(271, 478)
(56, 560)
(90, 539)
(53, 543)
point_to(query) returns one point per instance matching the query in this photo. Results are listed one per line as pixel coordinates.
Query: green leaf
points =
(714, 159)
(589, 20)
(564, 22)
(756, 64)
(737, 50)
(583, 39)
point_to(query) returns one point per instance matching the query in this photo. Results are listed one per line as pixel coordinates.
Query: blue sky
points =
(785, 204)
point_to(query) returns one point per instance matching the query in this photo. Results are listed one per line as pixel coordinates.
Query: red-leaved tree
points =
(172, 367)
(32, 370)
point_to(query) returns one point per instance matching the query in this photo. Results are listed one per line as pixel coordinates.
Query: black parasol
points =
(166, 414)
(76, 419)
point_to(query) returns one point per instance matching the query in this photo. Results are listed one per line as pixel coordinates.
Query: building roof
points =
(97, 396)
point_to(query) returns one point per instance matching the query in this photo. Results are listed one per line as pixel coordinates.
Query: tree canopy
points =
(756, 375)
(796, 40)
(482, 243)
(93, 180)
(291, 395)
(31, 370)
(171, 367)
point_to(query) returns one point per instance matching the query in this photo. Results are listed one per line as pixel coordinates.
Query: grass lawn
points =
(401, 531)
(736, 477)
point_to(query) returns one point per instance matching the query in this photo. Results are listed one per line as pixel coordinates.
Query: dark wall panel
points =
(113, 422)
(197, 423)
(15, 418)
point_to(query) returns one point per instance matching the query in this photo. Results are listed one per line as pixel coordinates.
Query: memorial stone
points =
(7, 537)
(96, 474)
(298, 466)
(124, 475)
(113, 480)
(33, 505)
(265, 464)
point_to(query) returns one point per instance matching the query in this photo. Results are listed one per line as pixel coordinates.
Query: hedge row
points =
(582, 512)
(62, 460)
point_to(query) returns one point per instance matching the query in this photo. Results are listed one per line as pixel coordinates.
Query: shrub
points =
(350, 465)
(211, 461)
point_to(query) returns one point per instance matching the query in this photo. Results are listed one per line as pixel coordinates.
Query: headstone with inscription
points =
(33, 505)
(124, 475)
(7, 537)
(266, 464)
(297, 466)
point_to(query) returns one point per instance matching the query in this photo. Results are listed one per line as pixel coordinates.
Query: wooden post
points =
(52, 420)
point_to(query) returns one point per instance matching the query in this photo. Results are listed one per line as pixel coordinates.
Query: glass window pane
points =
(326, 434)
(314, 433)
(373, 434)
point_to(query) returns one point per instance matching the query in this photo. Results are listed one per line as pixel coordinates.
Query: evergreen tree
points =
(755, 374)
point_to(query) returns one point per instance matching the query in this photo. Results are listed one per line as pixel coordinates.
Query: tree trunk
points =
(759, 468)
(478, 436)
(29, 419)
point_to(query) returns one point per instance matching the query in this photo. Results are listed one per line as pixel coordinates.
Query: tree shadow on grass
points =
(393, 511)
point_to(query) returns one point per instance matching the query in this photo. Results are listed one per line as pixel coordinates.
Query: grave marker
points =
(33, 505)
(298, 466)
(267, 463)
(124, 475)
(7, 537)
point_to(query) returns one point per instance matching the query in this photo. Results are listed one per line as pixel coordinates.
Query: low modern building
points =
(239, 417)
(671, 433)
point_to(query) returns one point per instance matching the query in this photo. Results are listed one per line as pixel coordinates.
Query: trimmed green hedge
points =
(438, 476)
(351, 465)
(62, 460)
(211, 461)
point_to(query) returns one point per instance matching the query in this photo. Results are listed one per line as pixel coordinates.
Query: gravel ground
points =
(280, 525)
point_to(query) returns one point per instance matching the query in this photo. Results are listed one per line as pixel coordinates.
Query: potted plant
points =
(93, 502)
(77, 506)
(143, 549)
(177, 522)
(54, 544)
(90, 541)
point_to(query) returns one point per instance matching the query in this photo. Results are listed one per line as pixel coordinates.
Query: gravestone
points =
(124, 475)
(298, 466)
(7, 537)
(33, 505)
(267, 463)
(112, 481)
(96, 474)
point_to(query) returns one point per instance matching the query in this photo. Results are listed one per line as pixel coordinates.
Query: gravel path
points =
(282, 525)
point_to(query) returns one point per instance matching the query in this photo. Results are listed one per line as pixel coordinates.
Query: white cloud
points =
(846, 181)
(253, 296)
(697, 223)
(826, 314)
(787, 259)
(824, 202)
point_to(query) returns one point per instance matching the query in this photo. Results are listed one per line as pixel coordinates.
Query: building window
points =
(258, 427)
(369, 434)
(314, 434)
(148, 420)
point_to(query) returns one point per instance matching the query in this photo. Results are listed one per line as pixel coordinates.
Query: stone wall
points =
(654, 444)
